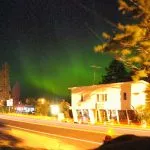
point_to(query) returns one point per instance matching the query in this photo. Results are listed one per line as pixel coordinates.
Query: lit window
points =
(101, 97)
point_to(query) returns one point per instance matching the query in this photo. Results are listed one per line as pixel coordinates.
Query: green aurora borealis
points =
(49, 44)
(54, 74)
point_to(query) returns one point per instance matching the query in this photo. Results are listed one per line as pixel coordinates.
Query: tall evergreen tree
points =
(16, 93)
(116, 72)
(5, 82)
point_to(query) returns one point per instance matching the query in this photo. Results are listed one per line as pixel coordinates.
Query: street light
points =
(41, 100)
(54, 109)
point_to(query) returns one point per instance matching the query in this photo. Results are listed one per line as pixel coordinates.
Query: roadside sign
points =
(10, 102)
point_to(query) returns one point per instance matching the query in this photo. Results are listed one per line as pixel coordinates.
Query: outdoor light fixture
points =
(54, 109)
(42, 100)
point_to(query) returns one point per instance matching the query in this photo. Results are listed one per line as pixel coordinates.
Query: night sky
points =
(49, 44)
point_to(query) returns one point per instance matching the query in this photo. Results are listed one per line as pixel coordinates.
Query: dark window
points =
(125, 96)
(81, 98)
(105, 97)
(98, 99)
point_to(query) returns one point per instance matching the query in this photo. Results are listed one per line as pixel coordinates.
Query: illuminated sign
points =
(9, 102)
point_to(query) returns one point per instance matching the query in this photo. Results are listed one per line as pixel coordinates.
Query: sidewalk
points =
(69, 121)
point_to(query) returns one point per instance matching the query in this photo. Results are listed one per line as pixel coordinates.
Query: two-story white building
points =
(105, 101)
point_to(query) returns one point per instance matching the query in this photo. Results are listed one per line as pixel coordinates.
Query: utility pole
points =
(94, 71)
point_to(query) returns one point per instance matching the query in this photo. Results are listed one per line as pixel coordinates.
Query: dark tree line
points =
(116, 72)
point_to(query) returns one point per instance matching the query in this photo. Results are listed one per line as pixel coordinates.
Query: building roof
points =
(91, 88)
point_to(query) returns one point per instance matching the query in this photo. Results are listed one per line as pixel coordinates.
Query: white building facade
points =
(97, 102)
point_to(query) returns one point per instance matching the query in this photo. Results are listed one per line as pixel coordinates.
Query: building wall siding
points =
(125, 90)
(138, 94)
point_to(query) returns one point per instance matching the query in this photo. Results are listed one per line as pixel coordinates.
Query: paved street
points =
(82, 139)
(91, 135)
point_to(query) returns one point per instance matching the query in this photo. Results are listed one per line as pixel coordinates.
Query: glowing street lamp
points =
(54, 109)
(41, 100)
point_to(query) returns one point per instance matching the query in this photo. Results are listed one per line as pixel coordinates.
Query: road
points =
(80, 134)
(68, 133)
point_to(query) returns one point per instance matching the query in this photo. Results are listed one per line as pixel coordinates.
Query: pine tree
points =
(16, 93)
(116, 72)
(5, 82)
(131, 44)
